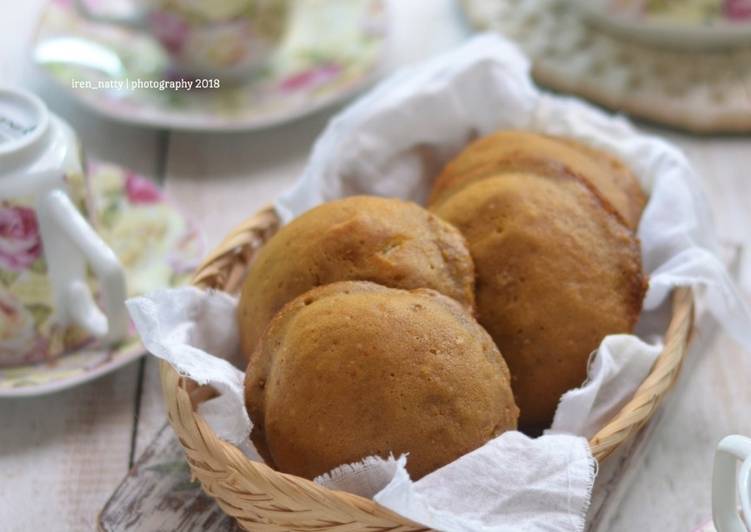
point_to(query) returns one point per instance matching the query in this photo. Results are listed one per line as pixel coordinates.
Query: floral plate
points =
(125, 74)
(155, 244)
(688, 24)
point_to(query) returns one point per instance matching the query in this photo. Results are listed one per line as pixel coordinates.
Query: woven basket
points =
(261, 499)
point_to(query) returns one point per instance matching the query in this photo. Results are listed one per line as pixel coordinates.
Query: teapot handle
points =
(725, 482)
(68, 270)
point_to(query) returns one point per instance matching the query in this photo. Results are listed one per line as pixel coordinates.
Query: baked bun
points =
(359, 238)
(354, 369)
(557, 271)
(525, 152)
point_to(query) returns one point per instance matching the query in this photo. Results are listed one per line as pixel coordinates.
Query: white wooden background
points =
(61, 456)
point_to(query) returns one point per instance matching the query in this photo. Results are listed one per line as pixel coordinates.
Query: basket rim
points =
(225, 472)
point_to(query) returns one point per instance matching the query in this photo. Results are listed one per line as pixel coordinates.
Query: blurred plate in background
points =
(685, 24)
(698, 91)
(312, 69)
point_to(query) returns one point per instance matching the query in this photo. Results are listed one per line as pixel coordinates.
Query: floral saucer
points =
(155, 244)
(332, 49)
(703, 92)
(687, 24)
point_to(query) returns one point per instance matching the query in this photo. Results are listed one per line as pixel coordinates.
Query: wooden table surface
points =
(62, 455)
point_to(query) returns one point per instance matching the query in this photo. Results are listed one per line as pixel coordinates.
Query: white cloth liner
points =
(391, 142)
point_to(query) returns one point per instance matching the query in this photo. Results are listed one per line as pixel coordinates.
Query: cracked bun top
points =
(360, 238)
(545, 155)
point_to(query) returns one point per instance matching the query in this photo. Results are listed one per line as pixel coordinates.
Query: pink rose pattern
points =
(171, 30)
(20, 243)
(310, 78)
(738, 9)
(140, 190)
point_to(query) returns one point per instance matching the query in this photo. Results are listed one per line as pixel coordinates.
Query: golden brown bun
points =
(355, 369)
(524, 152)
(360, 238)
(556, 272)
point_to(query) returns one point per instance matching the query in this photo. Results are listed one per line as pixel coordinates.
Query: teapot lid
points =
(24, 119)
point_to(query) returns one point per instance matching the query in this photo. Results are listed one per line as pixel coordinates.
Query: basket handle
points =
(212, 460)
(634, 414)
(225, 267)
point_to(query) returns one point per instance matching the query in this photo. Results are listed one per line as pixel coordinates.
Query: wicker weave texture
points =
(261, 499)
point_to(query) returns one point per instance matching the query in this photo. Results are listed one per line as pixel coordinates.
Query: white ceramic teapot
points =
(46, 243)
